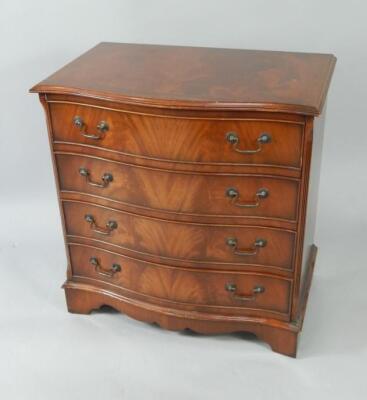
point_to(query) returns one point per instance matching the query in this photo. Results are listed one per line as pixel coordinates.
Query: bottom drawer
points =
(236, 290)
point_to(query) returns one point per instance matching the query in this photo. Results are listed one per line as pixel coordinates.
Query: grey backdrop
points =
(46, 352)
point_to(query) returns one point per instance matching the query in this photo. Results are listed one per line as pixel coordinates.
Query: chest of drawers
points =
(187, 180)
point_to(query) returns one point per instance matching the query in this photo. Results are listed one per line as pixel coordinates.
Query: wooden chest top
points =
(197, 78)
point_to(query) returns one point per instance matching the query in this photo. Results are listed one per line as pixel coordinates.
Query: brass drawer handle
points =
(105, 272)
(232, 243)
(110, 226)
(234, 140)
(102, 128)
(232, 288)
(106, 178)
(234, 194)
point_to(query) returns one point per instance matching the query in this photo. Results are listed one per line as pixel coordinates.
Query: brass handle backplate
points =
(106, 178)
(102, 271)
(234, 140)
(234, 195)
(102, 128)
(232, 289)
(110, 226)
(233, 244)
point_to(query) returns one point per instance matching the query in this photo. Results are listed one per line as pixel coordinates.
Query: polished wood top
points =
(197, 78)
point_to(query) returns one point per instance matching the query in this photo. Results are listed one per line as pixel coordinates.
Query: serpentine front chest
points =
(187, 180)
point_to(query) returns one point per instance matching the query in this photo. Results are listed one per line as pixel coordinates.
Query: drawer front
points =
(183, 193)
(240, 290)
(185, 140)
(170, 241)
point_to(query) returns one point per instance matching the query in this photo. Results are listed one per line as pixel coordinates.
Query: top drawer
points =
(180, 139)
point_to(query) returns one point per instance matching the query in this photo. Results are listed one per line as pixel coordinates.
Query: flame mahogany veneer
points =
(187, 180)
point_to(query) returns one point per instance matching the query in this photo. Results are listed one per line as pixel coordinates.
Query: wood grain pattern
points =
(178, 285)
(195, 243)
(179, 139)
(194, 194)
(194, 77)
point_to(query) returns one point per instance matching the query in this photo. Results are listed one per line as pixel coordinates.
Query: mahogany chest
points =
(187, 180)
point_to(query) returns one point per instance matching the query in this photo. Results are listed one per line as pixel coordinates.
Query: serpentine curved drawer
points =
(199, 194)
(260, 294)
(193, 243)
(181, 139)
